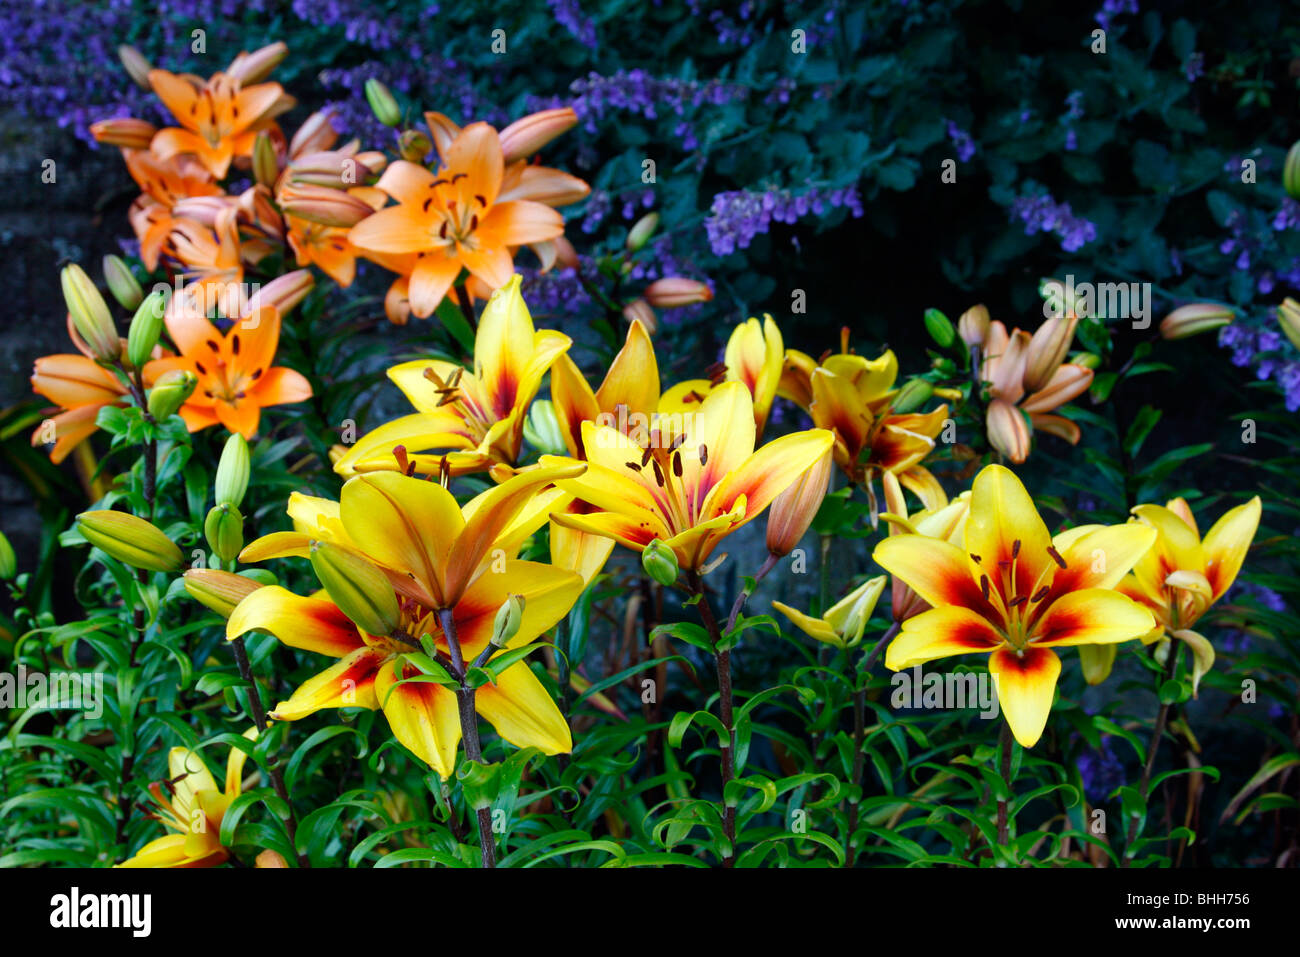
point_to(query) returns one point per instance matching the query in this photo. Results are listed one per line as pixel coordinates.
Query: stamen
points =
(984, 586)
(659, 473)
(1041, 593)
(1017, 602)
(677, 464)
(975, 558)
(1056, 556)
(704, 455)
(1015, 548)
(633, 466)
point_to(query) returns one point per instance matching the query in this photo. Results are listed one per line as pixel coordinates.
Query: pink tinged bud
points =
(337, 169)
(973, 326)
(126, 132)
(442, 130)
(640, 311)
(90, 315)
(1067, 382)
(1007, 430)
(204, 210)
(526, 136)
(1194, 319)
(1288, 317)
(320, 204)
(137, 67)
(283, 292)
(1047, 350)
(255, 67)
(315, 135)
(1006, 369)
(565, 254)
(372, 161)
(793, 510)
(674, 292)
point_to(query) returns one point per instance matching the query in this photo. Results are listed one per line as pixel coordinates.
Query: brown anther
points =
(1041, 593)
(399, 453)
(984, 586)
(633, 466)
(677, 463)
(659, 473)
(1017, 602)
(1015, 548)
(1056, 556)
(645, 457)
(704, 455)
(975, 558)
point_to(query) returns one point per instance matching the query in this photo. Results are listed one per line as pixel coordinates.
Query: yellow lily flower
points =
(478, 417)
(845, 621)
(437, 556)
(1014, 592)
(627, 398)
(755, 356)
(1182, 576)
(691, 489)
(946, 523)
(193, 807)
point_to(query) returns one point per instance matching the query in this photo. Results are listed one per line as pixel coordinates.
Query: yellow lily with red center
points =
(1182, 576)
(194, 808)
(626, 399)
(755, 356)
(946, 523)
(1014, 592)
(479, 417)
(455, 219)
(218, 121)
(437, 557)
(236, 378)
(689, 489)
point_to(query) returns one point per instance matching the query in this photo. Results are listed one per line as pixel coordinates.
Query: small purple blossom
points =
(736, 218)
(962, 141)
(1042, 214)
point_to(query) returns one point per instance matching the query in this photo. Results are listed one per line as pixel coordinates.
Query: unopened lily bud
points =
(315, 135)
(1288, 317)
(914, 394)
(793, 511)
(320, 204)
(219, 590)
(1291, 171)
(269, 858)
(131, 540)
(382, 103)
(1193, 319)
(973, 325)
(1007, 430)
(90, 315)
(506, 624)
(137, 67)
(266, 164)
(250, 68)
(146, 327)
(124, 286)
(170, 392)
(414, 146)
(283, 292)
(526, 136)
(8, 560)
(126, 132)
(849, 616)
(224, 530)
(640, 311)
(641, 232)
(542, 428)
(940, 328)
(361, 590)
(232, 471)
(674, 292)
(660, 562)
(1088, 360)
(1047, 349)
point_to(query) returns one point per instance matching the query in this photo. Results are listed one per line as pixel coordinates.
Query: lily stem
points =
(860, 734)
(1157, 733)
(1004, 831)
(722, 658)
(469, 731)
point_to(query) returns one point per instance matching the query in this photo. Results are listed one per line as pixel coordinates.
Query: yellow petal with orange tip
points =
(767, 473)
(522, 712)
(1098, 556)
(633, 377)
(633, 531)
(172, 851)
(1093, 616)
(311, 624)
(1097, 662)
(1026, 684)
(423, 716)
(936, 570)
(277, 545)
(754, 357)
(836, 405)
(349, 683)
(939, 633)
(574, 402)
(579, 551)
(1202, 654)
(1226, 544)
(1177, 547)
(1001, 515)
(415, 433)
(796, 374)
(921, 482)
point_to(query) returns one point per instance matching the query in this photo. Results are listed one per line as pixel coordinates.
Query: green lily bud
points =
(170, 392)
(232, 471)
(506, 624)
(382, 103)
(1193, 319)
(137, 68)
(414, 146)
(90, 315)
(660, 562)
(361, 590)
(640, 233)
(131, 540)
(266, 165)
(542, 428)
(146, 327)
(1089, 360)
(1288, 317)
(124, 287)
(219, 590)
(224, 528)
(1291, 171)
(940, 328)
(8, 561)
(912, 396)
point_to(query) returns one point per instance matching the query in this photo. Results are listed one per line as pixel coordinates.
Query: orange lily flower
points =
(1014, 592)
(235, 377)
(81, 387)
(193, 808)
(456, 219)
(690, 489)
(213, 270)
(328, 247)
(479, 417)
(164, 184)
(1183, 575)
(218, 120)
(755, 356)
(438, 556)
